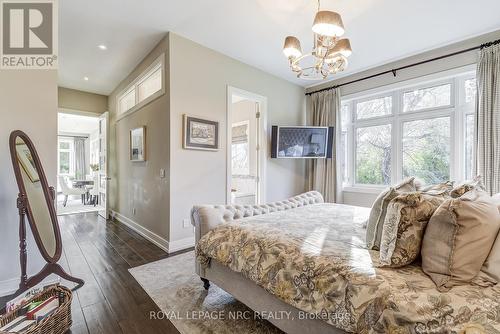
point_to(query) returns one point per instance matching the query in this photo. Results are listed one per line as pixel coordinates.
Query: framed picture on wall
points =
(138, 144)
(200, 134)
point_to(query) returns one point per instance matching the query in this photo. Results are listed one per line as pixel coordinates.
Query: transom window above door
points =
(422, 128)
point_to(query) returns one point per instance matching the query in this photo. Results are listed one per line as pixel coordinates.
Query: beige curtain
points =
(324, 108)
(488, 118)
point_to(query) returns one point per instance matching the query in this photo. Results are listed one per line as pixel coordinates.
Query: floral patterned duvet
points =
(314, 258)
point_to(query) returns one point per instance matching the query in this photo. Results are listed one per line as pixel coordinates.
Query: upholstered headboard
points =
(207, 217)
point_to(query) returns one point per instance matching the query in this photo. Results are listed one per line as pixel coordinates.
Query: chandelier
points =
(329, 53)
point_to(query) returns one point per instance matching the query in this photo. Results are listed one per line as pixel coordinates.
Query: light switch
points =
(186, 223)
(162, 173)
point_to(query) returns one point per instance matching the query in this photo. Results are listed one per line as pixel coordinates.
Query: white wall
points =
(28, 102)
(199, 78)
(366, 199)
(137, 192)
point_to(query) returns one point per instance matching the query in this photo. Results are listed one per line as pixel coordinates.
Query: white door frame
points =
(261, 142)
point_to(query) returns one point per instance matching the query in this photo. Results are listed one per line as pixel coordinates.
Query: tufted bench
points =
(207, 217)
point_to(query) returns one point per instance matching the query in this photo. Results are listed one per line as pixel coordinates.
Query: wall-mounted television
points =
(301, 142)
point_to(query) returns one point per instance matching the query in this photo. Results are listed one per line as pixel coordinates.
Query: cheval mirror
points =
(36, 201)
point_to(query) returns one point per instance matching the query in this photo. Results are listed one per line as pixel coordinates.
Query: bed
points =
(308, 259)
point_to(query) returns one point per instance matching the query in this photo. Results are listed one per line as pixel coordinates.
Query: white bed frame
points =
(206, 217)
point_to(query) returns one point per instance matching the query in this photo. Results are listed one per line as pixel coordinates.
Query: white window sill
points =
(363, 189)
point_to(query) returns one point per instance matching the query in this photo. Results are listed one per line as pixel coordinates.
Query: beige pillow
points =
(404, 226)
(459, 238)
(461, 189)
(490, 272)
(496, 199)
(438, 189)
(379, 209)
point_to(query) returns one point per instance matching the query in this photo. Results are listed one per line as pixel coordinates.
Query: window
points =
(426, 149)
(66, 156)
(373, 154)
(144, 89)
(424, 129)
(373, 108)
(426, 98)
(240, 150)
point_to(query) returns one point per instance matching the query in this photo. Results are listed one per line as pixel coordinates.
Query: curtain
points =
(80, 158)
(487, 137)
(324, 110)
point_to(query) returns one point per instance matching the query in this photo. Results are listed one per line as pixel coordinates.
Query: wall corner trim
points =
(169, 247)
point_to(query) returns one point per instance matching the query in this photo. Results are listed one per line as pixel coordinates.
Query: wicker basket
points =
(57, 323)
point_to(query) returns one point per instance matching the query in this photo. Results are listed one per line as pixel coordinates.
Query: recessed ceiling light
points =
(86, 78)
(102, 47)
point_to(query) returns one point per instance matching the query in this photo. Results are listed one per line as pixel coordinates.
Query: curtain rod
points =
(393, 71)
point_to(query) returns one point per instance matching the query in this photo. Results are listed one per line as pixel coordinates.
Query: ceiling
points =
(253, 31)
(76, 124)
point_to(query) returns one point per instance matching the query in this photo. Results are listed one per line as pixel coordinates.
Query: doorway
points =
(246, 149)
(81, 163)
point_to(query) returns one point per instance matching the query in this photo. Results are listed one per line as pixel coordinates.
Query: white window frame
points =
(158, 63)
(71, 152)
(457, 111)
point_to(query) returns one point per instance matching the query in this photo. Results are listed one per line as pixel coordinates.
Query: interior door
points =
(103, 165)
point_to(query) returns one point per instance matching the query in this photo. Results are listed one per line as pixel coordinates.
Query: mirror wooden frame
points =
(23, 205)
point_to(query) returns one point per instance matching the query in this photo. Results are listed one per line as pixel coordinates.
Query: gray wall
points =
(138, 184)
(366, 199)
(29, 103)
(199, 79)
(82, 101)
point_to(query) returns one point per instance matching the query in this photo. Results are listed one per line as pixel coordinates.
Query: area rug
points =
(75, 207)
(179, 293)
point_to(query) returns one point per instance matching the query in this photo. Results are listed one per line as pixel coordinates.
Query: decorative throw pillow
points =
(496, 200)
(438, 189)
(377, 214)
(461, 189)
(404, 226)
(490, 271)
(458, 239)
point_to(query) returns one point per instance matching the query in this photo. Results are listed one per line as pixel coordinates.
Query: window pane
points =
(373, 155)
(346, 118)
(373, 108)
(426, 149)
(431, 97)
(346, 115)
(469, 140)
(63, 162)
(343, 156)
(64, 145)
(150, 86)
(240, 163)
(470, 90)
(127, 101)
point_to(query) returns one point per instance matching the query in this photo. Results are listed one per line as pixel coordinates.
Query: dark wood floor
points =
(111, 301)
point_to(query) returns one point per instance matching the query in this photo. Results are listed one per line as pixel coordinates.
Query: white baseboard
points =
(169, 247)
(181, 244)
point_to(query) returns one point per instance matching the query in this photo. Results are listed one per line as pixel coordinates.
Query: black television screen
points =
(301, 142)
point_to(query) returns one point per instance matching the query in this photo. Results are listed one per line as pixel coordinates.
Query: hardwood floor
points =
(111, 301)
